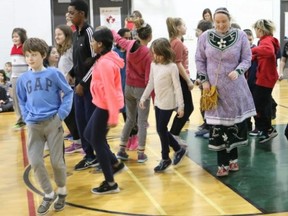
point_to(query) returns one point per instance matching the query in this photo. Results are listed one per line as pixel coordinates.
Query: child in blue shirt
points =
(45, 100)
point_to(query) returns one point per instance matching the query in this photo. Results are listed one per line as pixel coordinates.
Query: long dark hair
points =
(104, 35)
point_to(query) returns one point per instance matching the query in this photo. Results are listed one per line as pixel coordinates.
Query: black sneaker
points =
(266, 136)
(105, 188)
(45, 205)
(119, 168)
(178, 156)
(59, 204)
(85, 164)
(163, 165)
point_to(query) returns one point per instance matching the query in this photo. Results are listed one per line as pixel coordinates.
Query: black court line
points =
(35, 190)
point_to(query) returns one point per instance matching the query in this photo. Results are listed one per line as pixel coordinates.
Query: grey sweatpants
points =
(132, 99)
(50, 131)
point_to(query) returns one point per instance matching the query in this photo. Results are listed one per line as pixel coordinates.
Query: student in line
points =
(164, 80)
(45, 100)
(19, 66)
(107, 96)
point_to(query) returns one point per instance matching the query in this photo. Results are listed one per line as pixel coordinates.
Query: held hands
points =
(233, 75)
(79, 90)
(190, 84)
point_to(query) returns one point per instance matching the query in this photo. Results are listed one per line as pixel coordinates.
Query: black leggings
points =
(223, 157)
(178, 123)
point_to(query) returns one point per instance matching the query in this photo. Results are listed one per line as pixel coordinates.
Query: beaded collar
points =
(222, 42)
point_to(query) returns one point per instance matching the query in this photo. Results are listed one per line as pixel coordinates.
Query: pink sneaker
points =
(233, 166)
(133, 143)
(74, 147)
(222, 171)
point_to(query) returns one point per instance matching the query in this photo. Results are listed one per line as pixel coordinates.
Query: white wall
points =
(244, 12)
(32, 15)
(35, 17)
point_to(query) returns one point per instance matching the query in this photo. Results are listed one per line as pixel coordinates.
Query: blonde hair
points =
(267, 26)
(172, 24)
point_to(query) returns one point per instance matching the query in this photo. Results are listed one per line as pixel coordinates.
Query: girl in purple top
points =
(223, 55)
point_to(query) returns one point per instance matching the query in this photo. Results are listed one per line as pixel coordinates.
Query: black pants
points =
(263, 103)
(71, 123)
(166, 138)
(96, 132)
(178, 123)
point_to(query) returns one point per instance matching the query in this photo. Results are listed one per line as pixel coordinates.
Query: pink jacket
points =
(106, 86)
(137, 62)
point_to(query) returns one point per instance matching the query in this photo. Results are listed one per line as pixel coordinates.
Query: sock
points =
(50, 195)
(62, 190)
(111, 183)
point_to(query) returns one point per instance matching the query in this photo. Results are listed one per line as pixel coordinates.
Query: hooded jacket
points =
(265, 54)
(138, 62)
(105, 87)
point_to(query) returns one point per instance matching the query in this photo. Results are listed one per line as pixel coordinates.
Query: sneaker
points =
(45, 205)
(180, 141)
(105, 188)
(178, 156)
(207, 135)
(85, 164)
(266, 136)
(233, 166)
(19, 126)
(222, 171)
(119, 168)
(133, 143)
(68, 137)
(142, 158)
(163, 165)
(254, 132)
(202, 126)
(201, 132)
(59, 204)
(122, 155)
(74, 147)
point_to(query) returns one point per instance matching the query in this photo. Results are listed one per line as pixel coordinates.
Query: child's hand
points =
(112, 125)
(79, 90)
(190, 85)
(141, 105)
(180, 113)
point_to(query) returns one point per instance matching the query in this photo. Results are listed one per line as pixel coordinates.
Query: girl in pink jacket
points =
(107, 96)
